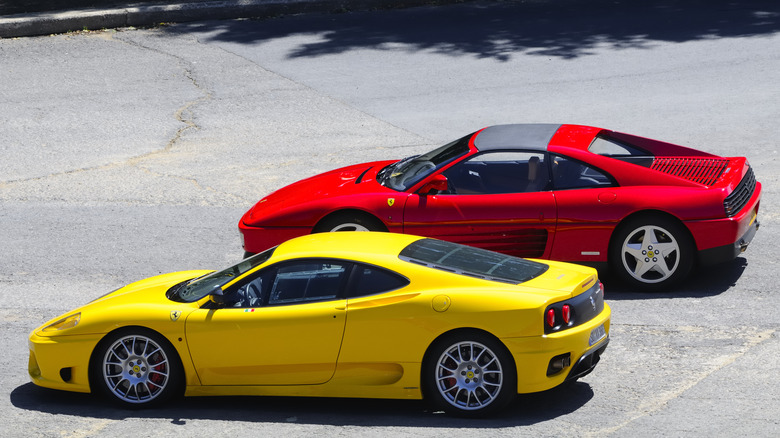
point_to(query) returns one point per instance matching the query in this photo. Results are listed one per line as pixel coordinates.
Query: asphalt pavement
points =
(134, 153)
(43, 17)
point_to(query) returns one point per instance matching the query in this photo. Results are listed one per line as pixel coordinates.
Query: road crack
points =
(663, 398)
(185, 115)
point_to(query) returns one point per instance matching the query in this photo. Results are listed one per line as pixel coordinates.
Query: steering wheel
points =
(252, 295)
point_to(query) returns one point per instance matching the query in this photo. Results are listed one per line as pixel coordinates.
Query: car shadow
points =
(496, 30)
(702, 282)
(527, 409)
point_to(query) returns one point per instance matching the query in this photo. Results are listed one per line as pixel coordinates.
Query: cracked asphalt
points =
(131, 153)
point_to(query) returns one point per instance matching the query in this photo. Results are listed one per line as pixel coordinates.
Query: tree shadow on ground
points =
(497, 30)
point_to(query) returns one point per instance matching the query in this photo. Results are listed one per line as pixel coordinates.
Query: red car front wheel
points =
(349, 222)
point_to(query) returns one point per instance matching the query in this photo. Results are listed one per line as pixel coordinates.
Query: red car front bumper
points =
(257, 239)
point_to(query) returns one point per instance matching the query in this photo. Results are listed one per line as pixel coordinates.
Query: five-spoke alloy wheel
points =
(652, 253)
(349, 222)
(349, 226)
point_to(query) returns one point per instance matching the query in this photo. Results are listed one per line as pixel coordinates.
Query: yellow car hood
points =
(149, 290)
(144, 300)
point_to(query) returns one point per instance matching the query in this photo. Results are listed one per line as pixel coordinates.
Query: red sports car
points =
(651, 210)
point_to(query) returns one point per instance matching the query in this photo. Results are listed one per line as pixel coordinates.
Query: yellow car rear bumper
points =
(534, 354)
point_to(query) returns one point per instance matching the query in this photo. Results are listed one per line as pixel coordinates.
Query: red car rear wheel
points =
(652, 253)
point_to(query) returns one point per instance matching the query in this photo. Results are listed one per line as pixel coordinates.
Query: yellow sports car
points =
(375, 315)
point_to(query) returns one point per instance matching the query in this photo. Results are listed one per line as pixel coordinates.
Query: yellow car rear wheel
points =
(469, 373)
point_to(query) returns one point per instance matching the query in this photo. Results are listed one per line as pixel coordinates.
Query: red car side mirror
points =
(437, 184)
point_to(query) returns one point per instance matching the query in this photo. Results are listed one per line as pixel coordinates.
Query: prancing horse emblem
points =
(390, 201)
(175, 314)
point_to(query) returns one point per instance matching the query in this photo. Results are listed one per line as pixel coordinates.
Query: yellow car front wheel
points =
(137, 368)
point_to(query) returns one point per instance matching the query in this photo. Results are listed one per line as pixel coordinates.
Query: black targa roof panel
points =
(521, 136)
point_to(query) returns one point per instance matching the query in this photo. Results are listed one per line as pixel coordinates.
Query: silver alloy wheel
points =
(136, 369)
(469, 375)
(650, 254)
(350, 226)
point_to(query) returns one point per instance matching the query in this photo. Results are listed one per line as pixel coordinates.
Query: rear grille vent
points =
(741, 195)
(700, 170)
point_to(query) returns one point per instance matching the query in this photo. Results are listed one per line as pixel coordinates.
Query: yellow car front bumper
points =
(61, 362)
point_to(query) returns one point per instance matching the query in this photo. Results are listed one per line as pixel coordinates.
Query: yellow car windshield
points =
(197, 288)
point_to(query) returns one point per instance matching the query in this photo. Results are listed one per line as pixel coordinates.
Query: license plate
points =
(597, 334)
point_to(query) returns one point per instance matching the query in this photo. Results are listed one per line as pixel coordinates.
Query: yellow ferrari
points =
(374, 315)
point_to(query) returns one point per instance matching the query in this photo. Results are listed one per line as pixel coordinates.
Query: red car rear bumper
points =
(725, 253)
(721, 240)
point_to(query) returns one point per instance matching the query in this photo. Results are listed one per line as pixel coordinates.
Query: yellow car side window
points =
(305, 282)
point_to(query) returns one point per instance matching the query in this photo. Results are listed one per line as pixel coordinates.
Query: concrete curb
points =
(92, 19)
(58, 22)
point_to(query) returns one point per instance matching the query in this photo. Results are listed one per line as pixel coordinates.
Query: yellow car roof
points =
(349, 244)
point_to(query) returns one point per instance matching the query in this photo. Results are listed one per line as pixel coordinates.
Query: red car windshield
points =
(403, 174)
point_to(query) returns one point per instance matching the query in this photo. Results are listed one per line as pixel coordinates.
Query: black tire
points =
(652, 253)
(136, 368)
(349, 222)
(469, 374)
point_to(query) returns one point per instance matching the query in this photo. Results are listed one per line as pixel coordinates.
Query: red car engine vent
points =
(700, 170)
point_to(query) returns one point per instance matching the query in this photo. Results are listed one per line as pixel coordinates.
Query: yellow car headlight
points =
(64, 323)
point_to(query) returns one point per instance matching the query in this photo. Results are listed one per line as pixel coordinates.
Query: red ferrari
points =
(651, 210)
